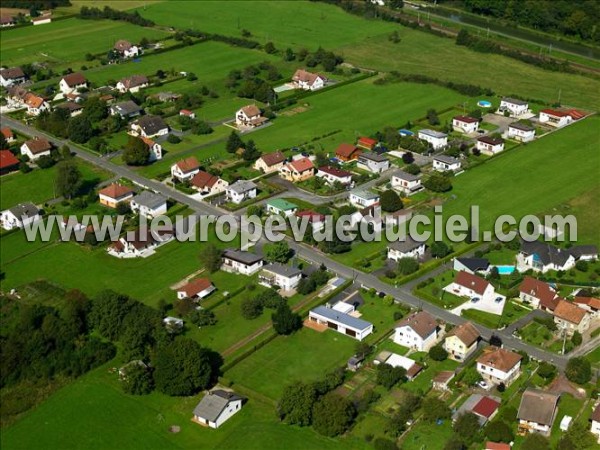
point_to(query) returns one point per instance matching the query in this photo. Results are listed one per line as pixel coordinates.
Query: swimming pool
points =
(505, 270)
(484, 104)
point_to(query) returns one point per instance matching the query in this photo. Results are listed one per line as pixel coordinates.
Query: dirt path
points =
(186, 280)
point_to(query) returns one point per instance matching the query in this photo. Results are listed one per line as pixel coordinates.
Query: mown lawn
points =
(430, 436)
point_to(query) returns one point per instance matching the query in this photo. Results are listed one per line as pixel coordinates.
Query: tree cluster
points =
(109, 13)
(313, 281)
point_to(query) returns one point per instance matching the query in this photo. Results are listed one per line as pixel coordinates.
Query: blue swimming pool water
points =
(484, 103)
(505, 270)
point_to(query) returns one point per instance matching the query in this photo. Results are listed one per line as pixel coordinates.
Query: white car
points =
(483, 385)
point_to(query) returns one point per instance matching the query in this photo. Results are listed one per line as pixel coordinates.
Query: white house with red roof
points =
(555, 117)
(208, 184)
(333, 175)
(315, 220)
(589, 304)
(154, 147)
(298, 170)
(72, 82)
(114, 194)
(185, 169)
(465, 124)
(471, 286)
(187, 113)
(490, 145)
(36, 148)
(308, 81)
(249, 116)
(8, 134)
(497, 365)
(196, 289)
(126, 49)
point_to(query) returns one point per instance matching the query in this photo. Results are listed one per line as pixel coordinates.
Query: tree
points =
(432, 117)
(440, 249)
(466, 426)
(277, 252)
(388, 376)
(251, 152)
(108, 312)
(499, 431)
(191, 76)
(233, 142)
(494, 273)
(123, 208)
(390, 201)
(306, 286)
(45, 162)
(438, 353)
(270, 48)
(408, 158)
(65, 152)
(173, 139)
(582, 266)
(496, 341)
(413, 169)
(296, 404)
(202, 127)
(285, 321)
(455, 443)
(407, 265)
(576, 339)
(536, 441)
(80, 129)
(546, 370)
(333, 415)
(182, 367)
(289, 55)
(210, 256)
(437, 182)
(579, 370)
(434, 409)
(68, 179)
(136, 152)
(578, 437)
(137, 379)
(251, 308)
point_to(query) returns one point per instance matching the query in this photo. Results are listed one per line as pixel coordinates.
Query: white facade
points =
(408, 337)
(488, 148)
(465, 126)
(396, 255)
(363, 200)
(238, 196)
(595, 429)
(408, 184)
(331, 178)
(66, 89)
(555, 118)
(235, 266)
(287, 283)
(341, 322)
(25, 150)
(523, 135)
(182, 175)
(146, 211)
(515, 108)
(9, 221)
(436, 139)
(233, 407)
(464, 291)
(497, 376)
(443, 164)
(365, 163)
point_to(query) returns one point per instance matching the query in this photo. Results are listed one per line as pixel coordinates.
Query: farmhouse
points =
(373, 162)
(9, 136)
(35, 148)
(542, 257)
(461, 341)
(126, 109)
(73, 108)
(114, 194)
(363, 199)
(196, 289)
(270, 162)
(8, 162)
(436, 139)
(244, 263)
(521, 132)
(514, 107)
(589, 304)
(395, 360)
(471, 265)
(281, 207)
(281, 276)
(307, 80)
(366, 143)
(316, 220)
(570, 318)
(19, 216)
(538, 294)
(595, 429)
(72, 83)
(555, 118)
(537, 412)
(465, 124)
(216, 407)
(347, 152)
(132, 84)
(13, 75)
(498, 365)
(489, 145)
(341, 322)
(240, 191)
(185, 169)
(406, 182)
(484, 408)
(333, 175)
(443, 163)
(298, 170)
(208, 184)
(471, 286)
(148, 204)
(418, 331)
(149, 126)
(155, 149)
(408, 248)
(126, 49)
(249, 116)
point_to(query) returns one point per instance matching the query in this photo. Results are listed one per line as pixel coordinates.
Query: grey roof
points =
(583, 250)
(521, 126)
(283, 270)
(151, 124)
(538, 406)
(373, 157)
(474, 264)
(514, 101)
(241, 256)
(345, 319)
(548, 254)
(433, 133)
(368, 195)
(214, 403)
(353, 298)
(242, 186)
(71, 106)
(149, 199)
(24, 209)
(405, 246)
(126, 108)
(446, 159)
(406, 176)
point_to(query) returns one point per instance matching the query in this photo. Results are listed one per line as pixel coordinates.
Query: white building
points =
(196, 289)
(148, 204)
(132, 84)
(537, 412)
(333, 175)
(418, 331)
(498, 365)
(373, 162)
(408, 248)
(514, 107)
(595, 429)
(489, 145)
(240, 191)
(363, 199)
(249, 116)
(555, 118)
(216, 407)
(307, 80)
(244, 263)
(406, 182)
(155, 149)
(465, 124)
(10, 76)
(19, 216)
(437, 139)
(36, 148)
(443, 163)
(185, 169)
(149, 127)
(341, 322)
(280, 275)
(281, 207)
(126, 49)
(471, 286)
(542, 257)
(72, 83)
(521, 132)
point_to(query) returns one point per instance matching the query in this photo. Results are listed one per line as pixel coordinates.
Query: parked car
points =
(483, 385)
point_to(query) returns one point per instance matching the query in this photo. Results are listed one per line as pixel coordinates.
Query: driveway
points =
(485, 304)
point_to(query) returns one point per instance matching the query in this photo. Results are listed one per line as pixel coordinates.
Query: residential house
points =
(341, 322)
(138, 243)
(521, 132)
(498, 365)
(333, 175)
(19, 216)
(281, 207)
(149, 126)
(126, 49)
(373, 162)
(482, 406)
(240, 191)
(542, 257)
(35, 148)
(271, 162)
(406, 182)
(15, 96)
(366, 143)
(419, 331)
(187, 113)
(72, 82)
(132, 84)
(489, 445)
(589, 304)
(126, 109)
(73, 108)
(514, 107)
(315, 220)
(208, 184)
(185, 169)
(538, 294)
(166, 97)
(347, 152)
(537, 412)
(307, 80)
(280, 275)
(244, 263)
(35, 104)
(216, 407)
(584, 252)
(471, 265)
(465, 124)
(9, 136)
(8, 162)
(409, 248)
(7, 21)
(155, 149)
(114, 194)
(395, 360)
(595, 419)
(466, 284)
(462, 341)
(149, 204)
(299, 170)
(363, 199)
(436, 139)
(42, 20)
(196, 289)
(570, 318)
(443, 163)
(490, 145)
(442, 380)
(11, 76)
(250, 116)
(555, 118)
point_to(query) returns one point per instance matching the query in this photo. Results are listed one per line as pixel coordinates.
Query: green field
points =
(68, 40)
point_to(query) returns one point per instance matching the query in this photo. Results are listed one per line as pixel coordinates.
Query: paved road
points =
(402, 294)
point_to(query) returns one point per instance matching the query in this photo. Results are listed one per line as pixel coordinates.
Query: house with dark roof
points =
(471, 265)
(490, 145)
(73, 108)
(436, 139)
(114, 194)
(498, 365)
(333, 175)
(126, 49)
(521, 132)
(271, 162)
(462, 341)
(185, 169)
(132, 84)
(36, 147)
(242, 262)
(331, 318)
(406, 183)
(409, 248)
(126, 109)
(72, 83)
(570, 318)
(373, 162)
(444, 163)
(140, 243)
(347, 152)
(11, 76)
(149, 204)
(279, 275)
(471, 286)
(149, 126)
(537, 412)
(217, 407)
(19, 216)
(542, 257)
(465, 124)
(419, 331)
(196, 289)
(240, 191)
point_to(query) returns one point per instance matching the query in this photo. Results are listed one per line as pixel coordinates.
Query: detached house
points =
(35, 148)
(366, 143)
(249, 116)
(148, 204)
(149, 126)
(216, 407)
(73, 108)
(537, 412)
(373, 162)
(471, 265)
(489, 145)
(13, 75)
(315, 220)
(570, 318)
(132, 84)
(461, 341)
(521, 132)
(418, 331)
(406, 182)
(72, 83)
(240, 191)
(363, 199)
(9, 136)
(208, 184)
(408, 248)
(538, 294)
(498, 365)
(307, 80)
(8, 162)
(114, 194)
(465, 124)
(443, 163)
(589, 304)
(126, 109)
(155, 149)
(244, 263)
(270, 162)
(333, 175)
(34, 103)
(436, 139)
(514, 107)
(555, 118)
(139, 244)
(185, 169)
(280, 275)
(333, 319)
(281, 207)
(471, 286)
(196, 289)
(126, 49)
(347, 152)
(542, 257)
(298, 170)
(19, 216)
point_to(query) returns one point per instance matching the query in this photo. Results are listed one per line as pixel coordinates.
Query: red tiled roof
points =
(367, 141)
(592, 302)
(500, 359)
(7, 132)
(302, 165)
(312, 216)
(489, 445)
(576, 114)
(251, 110)
(486, 407)
(473, 282)
(345, 150)
(304, 76)
(7, 159)
(195, 287)
(466, 119)
(186, 112)
(74, 79)
(147, 141)
(539, 290)
(334, 171)
(116, 191)
(38, 145)
(271, 159)
(466, 332)
(204, 179)
(33, 101)
(568, 311)
(596, 413)
(188, 164)
(554, 112)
